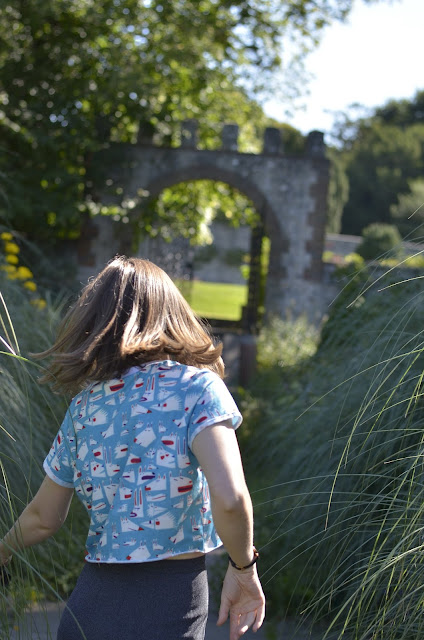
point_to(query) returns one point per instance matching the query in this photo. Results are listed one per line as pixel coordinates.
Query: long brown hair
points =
(131, 313)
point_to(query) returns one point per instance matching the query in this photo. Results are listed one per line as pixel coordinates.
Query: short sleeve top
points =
(125, 446)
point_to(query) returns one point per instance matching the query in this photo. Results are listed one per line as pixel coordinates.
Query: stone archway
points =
(288, 191)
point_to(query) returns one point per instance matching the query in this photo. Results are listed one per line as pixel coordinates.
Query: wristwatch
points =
(254, 561)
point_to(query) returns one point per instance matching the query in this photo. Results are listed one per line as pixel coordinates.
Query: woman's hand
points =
(242, 597)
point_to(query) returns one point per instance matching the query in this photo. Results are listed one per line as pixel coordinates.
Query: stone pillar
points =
(273, 143)
(248, 353)
(276, 281)
(230, 137)
(189, 134)
(316, 220)
(250, 312)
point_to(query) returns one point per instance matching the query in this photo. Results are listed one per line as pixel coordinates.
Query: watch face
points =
(4, 577)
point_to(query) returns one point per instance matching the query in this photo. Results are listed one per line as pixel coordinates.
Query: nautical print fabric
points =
(125, 446)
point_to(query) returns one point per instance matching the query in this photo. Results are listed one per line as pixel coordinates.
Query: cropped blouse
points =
(125, 446)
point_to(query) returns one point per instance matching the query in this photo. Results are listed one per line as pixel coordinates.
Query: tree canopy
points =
(402, 113)
(382, 153)
(76, 74)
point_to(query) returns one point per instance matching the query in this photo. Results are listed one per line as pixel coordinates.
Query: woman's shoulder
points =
(173, 370)
(184, 378)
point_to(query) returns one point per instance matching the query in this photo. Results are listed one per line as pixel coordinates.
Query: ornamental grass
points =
(30, 416)
(333, 449)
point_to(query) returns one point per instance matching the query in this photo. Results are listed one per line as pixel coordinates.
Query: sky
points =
(373, 57)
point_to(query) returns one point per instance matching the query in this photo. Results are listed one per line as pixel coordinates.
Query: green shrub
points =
(380, 240)
(286, 343)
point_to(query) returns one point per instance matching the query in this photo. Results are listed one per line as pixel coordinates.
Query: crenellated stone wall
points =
(288, 191)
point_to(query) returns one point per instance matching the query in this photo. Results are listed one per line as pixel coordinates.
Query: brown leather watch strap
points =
(254, 561)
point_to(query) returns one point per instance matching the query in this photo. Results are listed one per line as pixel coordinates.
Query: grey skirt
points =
(163, 600)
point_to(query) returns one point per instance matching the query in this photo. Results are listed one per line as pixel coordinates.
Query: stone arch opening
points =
(169, 255)
(168, 178)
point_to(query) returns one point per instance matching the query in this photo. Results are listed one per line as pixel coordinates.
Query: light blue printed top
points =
(125, 446)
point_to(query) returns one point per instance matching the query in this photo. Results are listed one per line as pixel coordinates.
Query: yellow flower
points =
(12, 259)
(30, 285)
(39, 303)
(8, 268)
(24, 273)
(11, 247)
(6, 236)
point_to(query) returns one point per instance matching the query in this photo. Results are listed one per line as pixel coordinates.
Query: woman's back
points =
(125, 445)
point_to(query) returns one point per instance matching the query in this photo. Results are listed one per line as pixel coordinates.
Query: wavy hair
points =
(129, 314)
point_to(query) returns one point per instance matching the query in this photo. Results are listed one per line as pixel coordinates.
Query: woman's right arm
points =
(217, 451)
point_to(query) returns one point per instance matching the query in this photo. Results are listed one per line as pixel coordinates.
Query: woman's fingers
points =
(223, 613)
(240, 623)
(260, 616)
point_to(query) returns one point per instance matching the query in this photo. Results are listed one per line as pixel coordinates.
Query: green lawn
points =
(215, 299)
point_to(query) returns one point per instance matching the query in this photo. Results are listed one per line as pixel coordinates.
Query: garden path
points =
(42, 621)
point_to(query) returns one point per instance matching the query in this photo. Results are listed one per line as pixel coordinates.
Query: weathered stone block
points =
(273, 143)
(189, 134)
(315, 145)
(230, 137)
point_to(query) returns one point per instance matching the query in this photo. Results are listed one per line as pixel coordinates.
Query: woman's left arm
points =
(44, 515)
